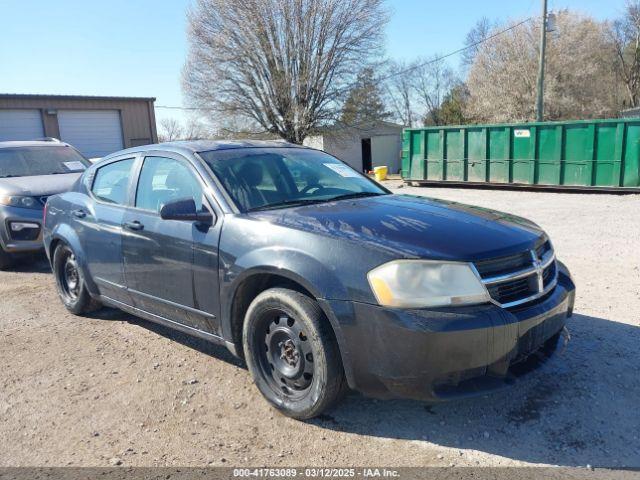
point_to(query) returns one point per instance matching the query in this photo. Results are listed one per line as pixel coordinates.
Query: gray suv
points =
(29, 173)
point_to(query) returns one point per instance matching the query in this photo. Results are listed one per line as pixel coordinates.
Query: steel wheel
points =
(70, 281)
(286, 358)
(292, 353)
(70, 277)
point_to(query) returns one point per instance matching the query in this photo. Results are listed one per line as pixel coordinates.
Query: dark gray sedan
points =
(319, 277)
(30, 172)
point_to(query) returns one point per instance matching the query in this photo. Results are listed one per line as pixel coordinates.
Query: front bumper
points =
(9, 242)
(439, 354)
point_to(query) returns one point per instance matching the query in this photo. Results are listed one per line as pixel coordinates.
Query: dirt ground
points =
(118, 390)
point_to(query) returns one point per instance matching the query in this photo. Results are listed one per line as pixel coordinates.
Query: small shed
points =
(364, 146)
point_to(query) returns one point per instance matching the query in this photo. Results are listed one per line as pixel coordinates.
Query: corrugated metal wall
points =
(137, 114)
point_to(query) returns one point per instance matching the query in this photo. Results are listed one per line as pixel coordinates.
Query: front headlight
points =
(19, 201)
(426, 283)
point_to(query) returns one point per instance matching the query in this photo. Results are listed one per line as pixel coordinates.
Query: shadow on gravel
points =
(35, 263)
(577, 408)
(220, 352)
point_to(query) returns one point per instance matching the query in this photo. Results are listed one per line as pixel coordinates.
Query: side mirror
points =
(185, 210)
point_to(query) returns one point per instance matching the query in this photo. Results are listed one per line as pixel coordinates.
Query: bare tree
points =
(283, 64)
(432, 82)
(580, 76)
(170, 130)
(626, 39)
(480, 31)
(195, 129)
(401, 93)
(192, 128)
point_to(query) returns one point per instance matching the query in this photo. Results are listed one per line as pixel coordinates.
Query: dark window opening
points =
(366, 155)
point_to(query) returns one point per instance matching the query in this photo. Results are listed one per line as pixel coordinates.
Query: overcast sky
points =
(138, 47)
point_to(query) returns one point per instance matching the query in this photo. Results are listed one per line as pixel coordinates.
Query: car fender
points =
(65, 233)
(289, 263)
(293, 264)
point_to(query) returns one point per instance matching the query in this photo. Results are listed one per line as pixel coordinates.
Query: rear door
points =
(101, 225)
(171, 267)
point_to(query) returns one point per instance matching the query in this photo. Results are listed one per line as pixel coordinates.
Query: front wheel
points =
(292, 353)
(70, 282)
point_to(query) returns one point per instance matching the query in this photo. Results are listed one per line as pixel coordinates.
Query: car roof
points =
(194, 146)
(33, 143)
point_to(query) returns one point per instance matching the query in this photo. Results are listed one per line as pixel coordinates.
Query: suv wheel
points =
(5, 259)
(292, 353)
(70, 282)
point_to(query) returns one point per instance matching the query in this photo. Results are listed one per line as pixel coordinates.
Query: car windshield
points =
(269, 178)
(31, 161)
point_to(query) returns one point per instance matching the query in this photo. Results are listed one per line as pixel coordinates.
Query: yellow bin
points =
(381, 173)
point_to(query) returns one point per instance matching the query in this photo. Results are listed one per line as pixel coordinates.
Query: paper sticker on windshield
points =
(341, 170)
(74, 166)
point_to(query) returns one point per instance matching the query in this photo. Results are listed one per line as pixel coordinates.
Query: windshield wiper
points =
(8, 176)
(288, 203)
(357, 195)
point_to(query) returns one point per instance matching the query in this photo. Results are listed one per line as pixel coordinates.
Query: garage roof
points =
(73, 97)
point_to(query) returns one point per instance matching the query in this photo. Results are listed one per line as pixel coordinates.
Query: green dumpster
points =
(581, 153)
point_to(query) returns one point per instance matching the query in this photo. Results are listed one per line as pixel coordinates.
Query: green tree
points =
(451, 110)
(364, 103)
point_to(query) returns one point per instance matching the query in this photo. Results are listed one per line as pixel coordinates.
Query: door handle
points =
(135, 225)
(79, 213)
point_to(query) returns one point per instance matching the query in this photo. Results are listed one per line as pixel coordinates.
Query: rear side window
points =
(112, 181)
(163, 180)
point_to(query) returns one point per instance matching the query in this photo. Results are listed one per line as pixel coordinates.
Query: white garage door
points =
(95, 133)
(20, 125)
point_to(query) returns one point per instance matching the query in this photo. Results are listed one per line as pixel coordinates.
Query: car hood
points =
(411, 226)
(38, 185)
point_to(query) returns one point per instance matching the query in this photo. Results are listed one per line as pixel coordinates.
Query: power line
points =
(455, 52)
(399, 72)
(172, 107)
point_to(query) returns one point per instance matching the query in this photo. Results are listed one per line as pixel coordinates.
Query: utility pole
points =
(543, 46)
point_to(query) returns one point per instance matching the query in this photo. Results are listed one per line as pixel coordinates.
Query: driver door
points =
(168, 262)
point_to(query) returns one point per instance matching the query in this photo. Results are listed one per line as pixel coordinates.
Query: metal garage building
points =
(362, 147)
(96, 126)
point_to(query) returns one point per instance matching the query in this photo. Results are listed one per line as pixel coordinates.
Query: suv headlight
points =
(19, 201)
(426, 283)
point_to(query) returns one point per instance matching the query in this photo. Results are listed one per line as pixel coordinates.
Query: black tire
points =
(292, 353)
(70, 282)
(6, 259)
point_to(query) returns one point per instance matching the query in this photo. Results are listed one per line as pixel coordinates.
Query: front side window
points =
(265, 178)
(45, 160)
(111, 182)
(163, 180)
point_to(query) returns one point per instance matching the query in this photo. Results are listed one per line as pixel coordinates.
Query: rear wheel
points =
(70, 282)
(5, 259)
(292, 353)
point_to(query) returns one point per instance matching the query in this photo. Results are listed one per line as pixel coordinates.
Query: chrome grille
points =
(517, 279)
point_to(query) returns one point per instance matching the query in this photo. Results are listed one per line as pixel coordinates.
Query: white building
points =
(362, 147)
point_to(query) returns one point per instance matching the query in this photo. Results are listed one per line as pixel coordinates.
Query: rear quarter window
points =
(111, 182)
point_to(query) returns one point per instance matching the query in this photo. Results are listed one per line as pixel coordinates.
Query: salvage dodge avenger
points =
(318, 277)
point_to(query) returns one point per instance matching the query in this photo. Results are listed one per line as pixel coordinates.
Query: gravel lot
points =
(118, 390)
